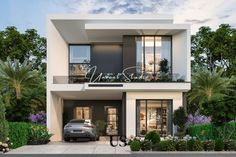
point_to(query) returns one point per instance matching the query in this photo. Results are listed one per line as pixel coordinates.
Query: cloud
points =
(194, 21)
(195, 12)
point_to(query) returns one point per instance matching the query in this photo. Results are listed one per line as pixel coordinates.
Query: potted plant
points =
(100, 126)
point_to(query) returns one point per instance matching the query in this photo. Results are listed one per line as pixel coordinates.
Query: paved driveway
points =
(98, 147)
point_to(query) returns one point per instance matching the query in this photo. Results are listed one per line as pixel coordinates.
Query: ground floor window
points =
(83, 113)
(154, 115)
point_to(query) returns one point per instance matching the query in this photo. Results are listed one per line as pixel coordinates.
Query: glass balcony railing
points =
(119, 78)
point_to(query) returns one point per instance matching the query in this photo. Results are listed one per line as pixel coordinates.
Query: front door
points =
(111, 120)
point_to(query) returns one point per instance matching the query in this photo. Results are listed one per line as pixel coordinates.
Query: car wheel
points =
(67, 139)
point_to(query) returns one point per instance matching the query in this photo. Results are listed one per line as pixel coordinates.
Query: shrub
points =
(209, 145)
(18, 133)
(180, 118)
(38, 134)
(100, 126)
(146, 145)
(181, 145)
(38, 118)
(190, 144)
(153, 136)
(135, 145)
(167, 145)
(197, 145)
(230, 145)
(4, 128)
(4, 146)
(208, 131)
(156, 147)
(219, 145)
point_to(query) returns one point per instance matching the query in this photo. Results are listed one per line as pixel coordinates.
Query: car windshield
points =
(77, 121)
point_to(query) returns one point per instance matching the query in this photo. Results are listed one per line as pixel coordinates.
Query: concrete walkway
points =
(87, 147)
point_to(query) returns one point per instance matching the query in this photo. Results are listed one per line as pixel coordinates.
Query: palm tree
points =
(207, 85)
(17, 77)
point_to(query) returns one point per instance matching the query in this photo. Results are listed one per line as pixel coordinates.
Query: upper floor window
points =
(80, 53)
(150, 51)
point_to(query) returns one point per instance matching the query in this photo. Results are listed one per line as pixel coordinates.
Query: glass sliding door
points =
(154, 115)
(112, 121)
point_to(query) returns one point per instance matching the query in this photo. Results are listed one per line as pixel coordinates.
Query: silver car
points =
(80, 128)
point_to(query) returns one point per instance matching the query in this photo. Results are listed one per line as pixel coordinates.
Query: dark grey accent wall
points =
(123, 114)
(107, 57)
(98, 110)
(129, 52)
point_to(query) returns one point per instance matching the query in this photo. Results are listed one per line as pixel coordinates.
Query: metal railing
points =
(119, 78)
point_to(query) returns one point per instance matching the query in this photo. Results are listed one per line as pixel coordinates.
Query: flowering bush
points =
(39, 118)
(199, 119)
(38, 134)
(4, 146)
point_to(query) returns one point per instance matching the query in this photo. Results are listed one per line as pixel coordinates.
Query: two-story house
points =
(130, 71)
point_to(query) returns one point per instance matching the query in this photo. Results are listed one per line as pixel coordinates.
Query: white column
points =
(54, 116)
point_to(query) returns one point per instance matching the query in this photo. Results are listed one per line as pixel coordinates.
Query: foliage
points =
(164, 70)
(4, 128)
(38, 134)
(230, 145)
(214, 49)
(190, 144)
(194, 145)
(221, 111)
(38, 118)
(156, 147)
(4, 146)
(135, 145)
(181, 145)
(180, 118)
(206, 86)
(100, 126)
(153, 136)
(167, 145)
(219, 145)
(23, 90)
(23, 46)
(199, 119)
(208, 131)
(209, 145)
(146, 145)
(19, 133)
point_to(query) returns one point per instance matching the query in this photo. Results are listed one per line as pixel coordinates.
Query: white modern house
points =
(130, 71)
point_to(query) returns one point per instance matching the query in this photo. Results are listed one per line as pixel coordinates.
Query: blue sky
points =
(26, 14)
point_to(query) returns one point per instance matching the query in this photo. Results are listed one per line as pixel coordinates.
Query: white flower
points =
(7, 149)
(3, 150)
(0, 143)
(8, 139)
(11, 143)
(6, 145)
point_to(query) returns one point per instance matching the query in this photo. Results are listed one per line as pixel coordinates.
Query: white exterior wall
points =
(57, 65)
(181, 54)
(131, 105)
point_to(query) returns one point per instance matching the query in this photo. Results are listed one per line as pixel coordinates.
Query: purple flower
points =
(199, 119)
(38, 118)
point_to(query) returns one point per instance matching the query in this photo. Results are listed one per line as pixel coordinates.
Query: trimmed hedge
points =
(208, 132)
(18, 133)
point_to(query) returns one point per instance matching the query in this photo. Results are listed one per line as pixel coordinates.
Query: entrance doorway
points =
(111, 120)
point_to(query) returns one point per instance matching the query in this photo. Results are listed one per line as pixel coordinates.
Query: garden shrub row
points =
(21, 133)
(209, 132)
(188, 143)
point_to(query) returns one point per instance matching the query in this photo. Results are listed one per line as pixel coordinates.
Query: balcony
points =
(119, 78)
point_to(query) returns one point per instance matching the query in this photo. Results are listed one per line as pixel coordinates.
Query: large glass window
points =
(79, 62)
(79, 53)
(83, 113)
(150, 50)
(154, 115)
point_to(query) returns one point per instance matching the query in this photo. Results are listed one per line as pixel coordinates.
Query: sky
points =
(27, 14)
